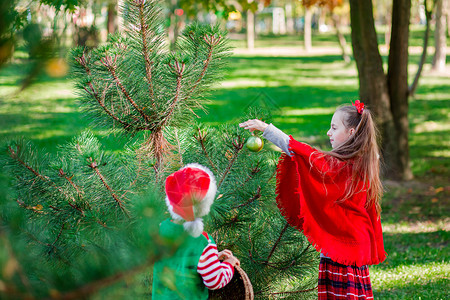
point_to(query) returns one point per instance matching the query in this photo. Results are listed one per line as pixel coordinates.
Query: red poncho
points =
(308, 194)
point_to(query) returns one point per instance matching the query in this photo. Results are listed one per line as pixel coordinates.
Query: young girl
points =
(195, 265)
(334, 197)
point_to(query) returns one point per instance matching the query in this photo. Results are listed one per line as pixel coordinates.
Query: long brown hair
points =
(362, 150)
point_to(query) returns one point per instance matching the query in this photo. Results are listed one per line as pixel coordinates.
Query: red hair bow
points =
(359, 106)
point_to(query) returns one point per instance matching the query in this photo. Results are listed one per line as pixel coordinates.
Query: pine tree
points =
(76, 225)
(85, 219)
(136, 83)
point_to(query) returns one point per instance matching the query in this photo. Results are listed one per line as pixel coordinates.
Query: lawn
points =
(298, 94)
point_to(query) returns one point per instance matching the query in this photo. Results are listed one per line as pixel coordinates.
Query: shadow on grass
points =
(415, 248)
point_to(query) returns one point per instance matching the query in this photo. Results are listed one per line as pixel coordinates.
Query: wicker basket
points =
(239, 287)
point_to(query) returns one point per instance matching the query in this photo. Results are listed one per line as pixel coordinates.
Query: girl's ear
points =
(352, 131)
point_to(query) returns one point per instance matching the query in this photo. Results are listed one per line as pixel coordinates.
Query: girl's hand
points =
(233, 261)
(225, 254)
(253, 125)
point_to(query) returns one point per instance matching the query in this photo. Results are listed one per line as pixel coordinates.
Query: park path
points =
(316, 51)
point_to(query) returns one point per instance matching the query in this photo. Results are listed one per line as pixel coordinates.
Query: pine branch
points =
(101, 102)
(158, 145)
(253, 171)
(273, 175)
(178, 68)
(48, 245)
(52, 246)
(292, 263)
(93, 93)
(93, 165)
(212, 42)
(250, 256)
(14, 155)
(201, 137)
(133, 183)
(179, 146)
(36, 239)
(110, 64)
(292, 292)
(69, 179)
(95, 286)
(277, 242)
(238, 144)
(252, 199)
(145, 49)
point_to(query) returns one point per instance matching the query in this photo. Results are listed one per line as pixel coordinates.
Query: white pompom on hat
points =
(190, 193)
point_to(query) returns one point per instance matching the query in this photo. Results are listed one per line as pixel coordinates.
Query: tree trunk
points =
(373, 89)
(341, 38)
(447, 14)
(397, 79)
(250, 29)
(112, 17)
(290, 21)
(413, 86)
(172, 31)
(307, 29)
(387, 33)
(440, 37)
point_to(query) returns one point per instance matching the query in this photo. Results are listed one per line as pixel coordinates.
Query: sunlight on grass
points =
(54, 109)
(50, 92)
(405, 275)
(241, 82)
(433, 96)
(431, 126)
(308, 111)
(20, 129)
(430, 81)
(440, 153)
(291, 120)
(326, 81)
(417, 227)
(49, 134)
(7, 90)
(39, 109)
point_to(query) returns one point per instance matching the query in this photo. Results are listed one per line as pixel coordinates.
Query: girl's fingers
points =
(253, 125)
(249, 124)
(238, 263)
(225, 254)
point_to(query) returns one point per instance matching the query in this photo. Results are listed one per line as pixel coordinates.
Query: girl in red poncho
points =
(334, 198)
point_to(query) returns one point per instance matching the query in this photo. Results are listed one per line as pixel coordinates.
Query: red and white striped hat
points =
(190, 192)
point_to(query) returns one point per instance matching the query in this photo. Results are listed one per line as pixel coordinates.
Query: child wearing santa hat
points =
(196, 264)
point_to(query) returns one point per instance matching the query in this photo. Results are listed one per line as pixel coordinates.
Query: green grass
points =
(299, 95)
(45, 112)
(416, 234)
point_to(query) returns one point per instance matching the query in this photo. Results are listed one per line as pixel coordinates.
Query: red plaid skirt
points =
(337, 281)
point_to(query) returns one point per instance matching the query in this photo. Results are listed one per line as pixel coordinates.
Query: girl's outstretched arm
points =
(253, 125)
(270, 132)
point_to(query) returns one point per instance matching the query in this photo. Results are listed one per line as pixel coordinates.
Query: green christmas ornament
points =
(255, 143)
